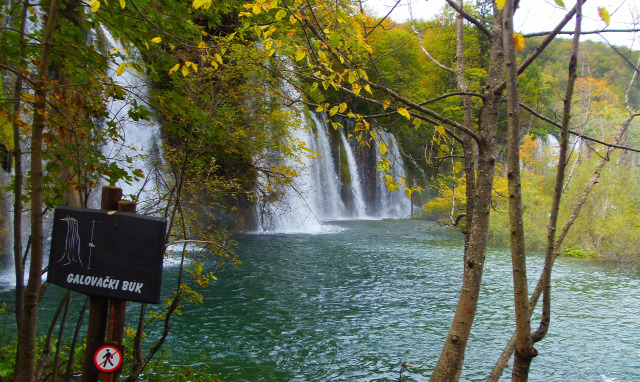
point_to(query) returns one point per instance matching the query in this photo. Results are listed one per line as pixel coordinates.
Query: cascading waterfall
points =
(324, 170)
(140, 146)
(392, 204)
(356, 183)
(322, 192)
(139, 150)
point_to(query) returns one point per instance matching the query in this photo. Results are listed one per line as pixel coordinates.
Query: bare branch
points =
(583, 136)
(424, 50)
(470, 18)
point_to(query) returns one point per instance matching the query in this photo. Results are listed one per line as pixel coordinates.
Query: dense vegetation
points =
(219, 73)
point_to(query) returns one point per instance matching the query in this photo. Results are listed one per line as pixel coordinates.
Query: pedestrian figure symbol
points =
(108, 358)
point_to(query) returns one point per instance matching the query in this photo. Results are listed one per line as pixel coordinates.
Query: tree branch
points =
(470, 18)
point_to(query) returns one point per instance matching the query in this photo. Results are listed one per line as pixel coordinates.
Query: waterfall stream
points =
(139, 148)
(331, 187)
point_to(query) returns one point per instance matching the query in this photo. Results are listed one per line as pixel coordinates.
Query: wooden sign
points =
(107, 253)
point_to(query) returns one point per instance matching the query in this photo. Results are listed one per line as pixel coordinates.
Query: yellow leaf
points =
(386, 104)
(343, 107)
(356, 88)
(560, 3)
(333, 111)
(518, 41)
(185, 70)
(201, 4)
(157, 40)
(268, 44)
(121, 69)
(300, 54)
(218, 58)
(604, 15)
(171, 46)
(441, 130)
(122, 4)
(111, 212)
(95, 5)
(114, 51)
(383, 148)
(408, 192)
(368, 88)
(202, 44)
(257, 9)
(192, 65)
(26, 97)
(403, 112)
(501, 3)
(146, 44)
(174, 69)
(281, 14)
(319, 109)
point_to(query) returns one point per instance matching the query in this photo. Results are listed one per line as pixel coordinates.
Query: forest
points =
(525, 142)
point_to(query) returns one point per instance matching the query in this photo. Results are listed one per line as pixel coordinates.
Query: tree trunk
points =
(449, 364)
(560, 175)
(18, 178)
(524, 343)
(25, 365)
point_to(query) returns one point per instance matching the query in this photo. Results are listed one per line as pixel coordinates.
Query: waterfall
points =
(138, 148)
(392, 204)
(356, 183)
(331, 186)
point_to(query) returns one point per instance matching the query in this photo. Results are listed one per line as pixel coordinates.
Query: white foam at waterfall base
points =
(141, 138)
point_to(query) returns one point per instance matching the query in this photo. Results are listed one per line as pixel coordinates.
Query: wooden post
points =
(117, 308)
(98, 306)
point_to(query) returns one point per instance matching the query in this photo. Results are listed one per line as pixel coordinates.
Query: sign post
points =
(114, 256)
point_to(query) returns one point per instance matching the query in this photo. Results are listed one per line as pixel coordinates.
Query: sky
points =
(539, 16)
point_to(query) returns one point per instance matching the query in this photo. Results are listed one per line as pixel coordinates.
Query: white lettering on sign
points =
(104, 282)
(132, 286)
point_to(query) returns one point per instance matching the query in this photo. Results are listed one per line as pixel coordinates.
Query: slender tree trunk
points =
(524, 344)
(469, 146)
(451, 359)
(543, 328)
(25, 366)
(18, 178)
